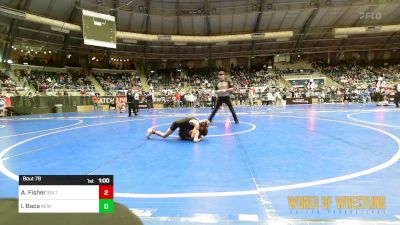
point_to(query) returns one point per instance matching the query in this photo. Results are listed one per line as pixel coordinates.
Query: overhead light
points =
(22, 50)
(127, 60)
(277, 55)
(373, 28)
(269, 67)
(93, 58)
(257, 35)
(69, 56)
(36, 53)
(97, 60)
(49, 52)
(29, 52)
(164, 37)
(9, 61)
(151, 71)
(25, 63)
(298, 55)
(60, 29)
(45, 52)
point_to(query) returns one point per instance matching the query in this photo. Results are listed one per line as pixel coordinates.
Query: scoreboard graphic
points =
(99, 29)
(66, 194)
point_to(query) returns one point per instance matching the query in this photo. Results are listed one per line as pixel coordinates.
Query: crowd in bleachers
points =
(113, 83)
(256, 78)
(252, 85)
(295, 71)
(165, 79)
(55, 83)
(241, 77)
(356, 82)
(8, 88)
(360, 74)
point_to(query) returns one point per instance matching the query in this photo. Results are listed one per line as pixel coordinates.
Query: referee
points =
(129, 100)
(223, 90)
(397, 95)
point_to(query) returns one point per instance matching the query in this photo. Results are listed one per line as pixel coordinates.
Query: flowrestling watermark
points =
(370, 15)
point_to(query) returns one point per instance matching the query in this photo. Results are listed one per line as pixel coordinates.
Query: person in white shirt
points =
(380, 85)
(311, 87)
(251, 96)
(321, 97)
(270, 98)
(191, 99)
(277, 96)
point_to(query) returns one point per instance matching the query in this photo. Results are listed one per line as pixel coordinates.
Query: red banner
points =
(121, 99)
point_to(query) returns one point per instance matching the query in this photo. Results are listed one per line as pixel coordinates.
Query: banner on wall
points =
(299, 101)
(121, 99)
(106, 100)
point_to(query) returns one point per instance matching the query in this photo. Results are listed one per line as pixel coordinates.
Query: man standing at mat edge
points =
(397, 95)
(132, 99)
(223, 89)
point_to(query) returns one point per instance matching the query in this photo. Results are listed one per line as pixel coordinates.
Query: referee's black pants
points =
(227, 101)
(130, 106)
(213, 102)
(135, 107)
(397, 99)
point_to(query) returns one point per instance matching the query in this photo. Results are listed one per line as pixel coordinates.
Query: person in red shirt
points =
(178, 99)
(96, 101)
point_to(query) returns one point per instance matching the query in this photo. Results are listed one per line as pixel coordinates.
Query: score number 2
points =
(106, 192)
